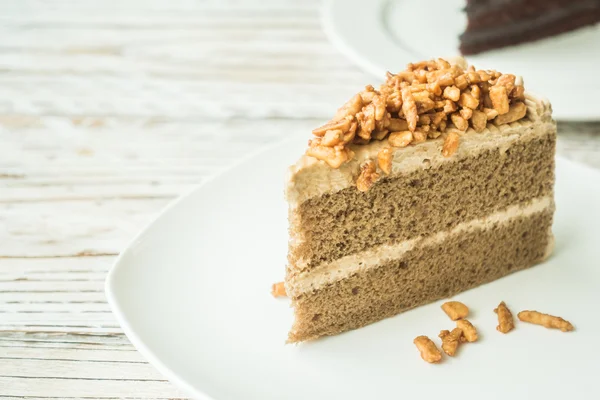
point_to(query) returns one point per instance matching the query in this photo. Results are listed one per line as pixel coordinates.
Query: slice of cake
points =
(439, 181)
(499, 23)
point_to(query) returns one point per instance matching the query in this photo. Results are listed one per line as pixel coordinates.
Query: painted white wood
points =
(74, 228)
(72, 340)
(80, 369)
(108, 111)
(70, 354)
(64, 388)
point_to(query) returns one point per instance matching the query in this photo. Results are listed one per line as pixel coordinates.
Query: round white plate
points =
(385, 35)
(192, 293)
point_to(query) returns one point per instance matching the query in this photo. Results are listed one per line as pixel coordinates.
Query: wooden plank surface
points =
(108, 111)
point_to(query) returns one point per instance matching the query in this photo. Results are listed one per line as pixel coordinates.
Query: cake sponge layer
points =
(422, 202)
(422, 275)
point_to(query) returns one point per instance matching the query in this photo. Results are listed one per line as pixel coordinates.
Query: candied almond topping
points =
(384, 159)
(455, 310)
(417, 104)
(429, 351)
(549, 321)
(451, 340)
(368, 176)
(450, 144)
(278, 290)
(468, 330)
(505, 318)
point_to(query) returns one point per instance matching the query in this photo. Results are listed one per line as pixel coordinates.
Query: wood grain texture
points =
(108, 111)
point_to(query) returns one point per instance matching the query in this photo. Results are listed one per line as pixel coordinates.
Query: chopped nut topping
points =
(469, 331)
(435, 88)
(467, 100)
(484, 76)
(400, 139)
(499, 99)
(459, 122)
(380, 135)
(368, 94)
(342, 125)
(450, 340)
(334, 156)
(476, 91)
(418, 104)
(466, 113)
(506, 80)
(450, 107)
(505, 318)
(473, 77)
(455, 310)
(278, 290)
(349, 109)
(549, 321)
(332, 138)
(368, 176)
(452, 93)
(450, 144)
(419, 136)
(366, 121)
(479, 121)
(515, 112)
(518, 93)
(429, 352)
(490, 113)
(397, 124)
(384, 159)
(461, 82)
(409, 108)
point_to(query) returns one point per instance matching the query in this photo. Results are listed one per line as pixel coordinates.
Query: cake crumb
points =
(428, 349)
(469, 331)
(505, 318)
(450, 340)
(549, 321)
(278, 290)
(455, 310)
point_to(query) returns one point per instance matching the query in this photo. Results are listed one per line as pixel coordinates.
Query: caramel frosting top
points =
(311, 177)
(422, 102)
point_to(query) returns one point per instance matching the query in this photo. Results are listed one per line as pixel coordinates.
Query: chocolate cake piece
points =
(494, 24)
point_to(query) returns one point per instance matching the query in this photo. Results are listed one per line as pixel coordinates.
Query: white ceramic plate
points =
(192, 293)
(385, 35)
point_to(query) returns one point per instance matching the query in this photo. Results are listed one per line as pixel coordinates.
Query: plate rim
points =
(110, 280)
(327, 11)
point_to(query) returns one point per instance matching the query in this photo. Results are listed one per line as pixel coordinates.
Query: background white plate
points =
(192, 294)
(385, 35)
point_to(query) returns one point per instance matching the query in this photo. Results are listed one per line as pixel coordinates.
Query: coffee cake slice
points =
(451, 207)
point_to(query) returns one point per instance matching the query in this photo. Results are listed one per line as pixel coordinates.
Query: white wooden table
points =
(108, 111)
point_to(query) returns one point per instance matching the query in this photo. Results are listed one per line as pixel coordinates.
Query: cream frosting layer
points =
(310, 177)
(343, 267)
